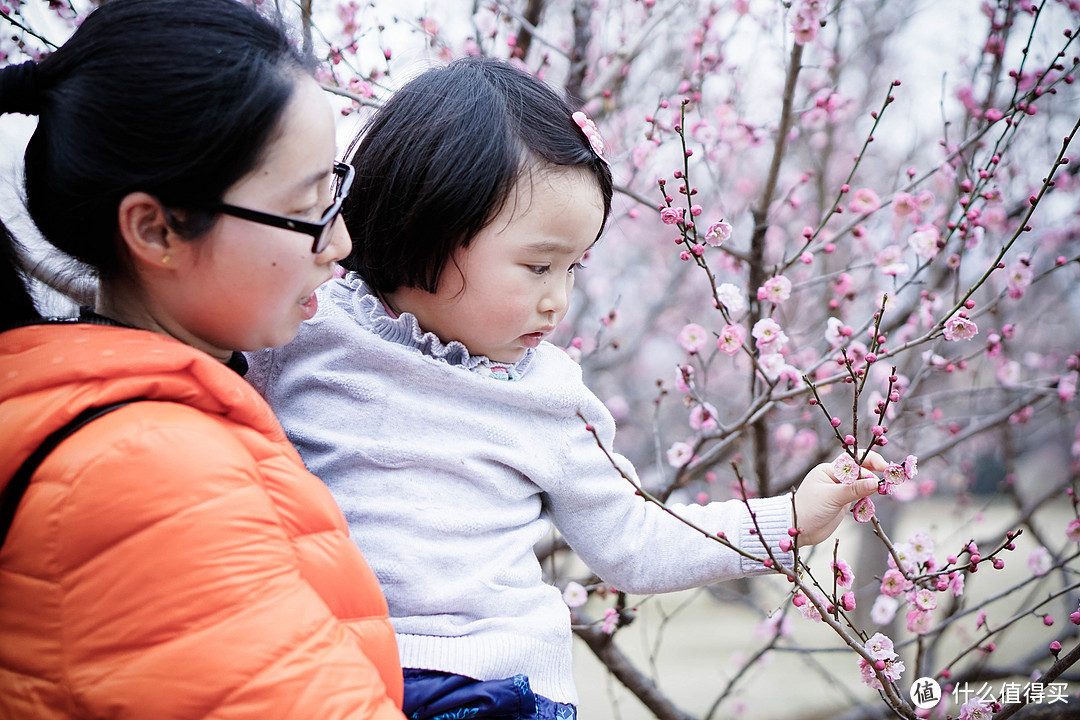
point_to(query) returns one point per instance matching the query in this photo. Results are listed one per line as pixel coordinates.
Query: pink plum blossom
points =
(956, 584)
(684, 377)
(864, 201)
(775, 290)
(807, 608)
(911, 466)
(1039, 561)
(731, 339)
(806, 20)
(863, 511)
(693, 338)
(843, 573)
(960, 328)
(703, 417)
(845, 469)
(894, 667)
(892, 476)
(611, 619)
(924, 599)
(843, 284)
(893, 583)
(976, 709)
(919, 621)
(778, 624)
(717, 233)
(671, 216)
(904, 204)
(1072, 532)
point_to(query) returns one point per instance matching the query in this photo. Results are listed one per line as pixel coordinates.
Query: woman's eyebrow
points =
(312, 179)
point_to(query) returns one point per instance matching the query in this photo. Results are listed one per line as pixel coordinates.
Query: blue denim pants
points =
(431, 695)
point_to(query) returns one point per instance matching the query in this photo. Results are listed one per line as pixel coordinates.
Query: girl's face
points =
(511, 286)
(245, 285)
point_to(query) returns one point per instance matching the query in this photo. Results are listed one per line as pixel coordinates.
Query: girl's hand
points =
(821, 500)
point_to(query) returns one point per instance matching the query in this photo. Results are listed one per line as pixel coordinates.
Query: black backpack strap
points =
(12, 494)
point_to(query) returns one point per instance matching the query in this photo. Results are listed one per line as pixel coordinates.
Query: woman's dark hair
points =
(176, 98)
(439, 160)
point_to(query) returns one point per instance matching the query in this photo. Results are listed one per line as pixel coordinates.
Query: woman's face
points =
(248, 286)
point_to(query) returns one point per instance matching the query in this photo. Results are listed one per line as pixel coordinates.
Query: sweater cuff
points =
(773, 518)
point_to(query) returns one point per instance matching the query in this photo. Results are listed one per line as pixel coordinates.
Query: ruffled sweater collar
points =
(371, 314)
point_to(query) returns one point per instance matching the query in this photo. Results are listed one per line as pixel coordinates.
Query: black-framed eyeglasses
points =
(321, 231)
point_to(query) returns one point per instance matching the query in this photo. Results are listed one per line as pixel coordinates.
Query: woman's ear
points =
(144, 230)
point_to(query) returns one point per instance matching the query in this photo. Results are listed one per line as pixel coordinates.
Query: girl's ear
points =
(145, 232)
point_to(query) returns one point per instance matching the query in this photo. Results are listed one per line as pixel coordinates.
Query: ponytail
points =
(19, 90)
(18, 306)
(18, 94)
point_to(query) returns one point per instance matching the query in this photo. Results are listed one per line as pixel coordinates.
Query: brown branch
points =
(625, 672)
(757, 250)
(579, 54)
(531, 20)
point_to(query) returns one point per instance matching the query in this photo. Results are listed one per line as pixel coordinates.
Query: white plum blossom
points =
(574, 595)
(880, 647)
(1039, 561)
(679, 454)
(775, 365)
(836, 332)
(1017, 279)
(921, 548)
(924, 241)
(732, 298)
(884, 610)
(768, 333)
(717, 233)
(959, 327)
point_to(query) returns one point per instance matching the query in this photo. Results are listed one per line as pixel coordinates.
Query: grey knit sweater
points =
(448, 477)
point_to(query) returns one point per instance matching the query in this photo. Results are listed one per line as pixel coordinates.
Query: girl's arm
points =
(639, 547)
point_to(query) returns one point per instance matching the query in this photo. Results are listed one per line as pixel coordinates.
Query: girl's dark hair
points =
(176, 98)
(439, 160)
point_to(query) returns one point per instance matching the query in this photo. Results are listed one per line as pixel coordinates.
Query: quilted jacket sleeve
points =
(200, 577)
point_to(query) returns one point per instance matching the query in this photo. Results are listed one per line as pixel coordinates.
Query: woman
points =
(172, 558)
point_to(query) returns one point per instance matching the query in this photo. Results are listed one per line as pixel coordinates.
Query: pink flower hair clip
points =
(591, 132)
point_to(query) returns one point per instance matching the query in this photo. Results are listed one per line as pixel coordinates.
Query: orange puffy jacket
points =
(173, 559)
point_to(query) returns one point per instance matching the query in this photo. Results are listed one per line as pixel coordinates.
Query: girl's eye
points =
(538, 269)
(575, 267)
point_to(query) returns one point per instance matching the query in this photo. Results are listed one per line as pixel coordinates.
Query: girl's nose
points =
(556, 296)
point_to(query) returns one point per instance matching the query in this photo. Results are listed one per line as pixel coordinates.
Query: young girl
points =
(172, 558)
(424, 394)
